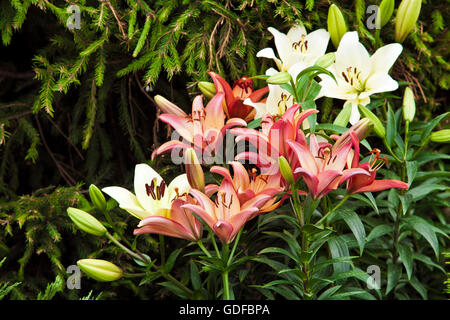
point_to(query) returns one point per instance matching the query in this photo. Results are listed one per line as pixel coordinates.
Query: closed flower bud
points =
(326, 60)
(336, 24)
(97, 198)
(207, 88)
(361, 129)
(407, 15)
(168, 107)
(194, 170)
(279, 78)
(409, 105)
(441, 136)
(86, 222)
(385, 12)
(100, 270)
(377, 125)
(286, 170)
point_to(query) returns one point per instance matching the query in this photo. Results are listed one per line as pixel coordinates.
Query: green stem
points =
(162, 249)
(213, 240)
(132, 253)
(206, 252)
(165, 275)
(390, 151)
(406, 140)
(295, 91)
(226, 285)
(230, 259)
(333, 209)
(297, 206)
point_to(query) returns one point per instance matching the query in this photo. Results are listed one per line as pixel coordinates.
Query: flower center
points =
(222, 199)
(301, 46)
(282, 104)
(375, 162)
(352, 77)
(155, 191)
(242, 88)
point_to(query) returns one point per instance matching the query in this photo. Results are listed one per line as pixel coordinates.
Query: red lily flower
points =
(322, 166)
(203, 130)
(249, 185)
(367, 183)
(234, 106)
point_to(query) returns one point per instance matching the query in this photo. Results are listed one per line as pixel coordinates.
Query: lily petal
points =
(144, 175)
(380, 185)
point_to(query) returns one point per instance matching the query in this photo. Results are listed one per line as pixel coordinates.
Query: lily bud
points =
(385, 12)
(441, 136)
(86, 222)
(344, 116)
(194, 170)
(207, 88)
(409, 105)
(377, 125)
(336, 24)
(286, 170)
(279, 78)
(361, 129)
(97, 197)
(100, 270)
(407, 15)
(326, 60)
(168, 107)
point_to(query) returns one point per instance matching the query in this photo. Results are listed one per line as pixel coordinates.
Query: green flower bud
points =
(97, 198)
(168, 107)
(326, 60)
(441, 136)
(336, 24)
(377, 125)
(409, 105)
(407, 15)
(344, 116)
(86, 222)
(279, 78)
(286, 170)
(385, 12)
(194, 170)
(207, 88)
(100, 270)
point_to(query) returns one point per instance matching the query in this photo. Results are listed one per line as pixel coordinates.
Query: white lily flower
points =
(276, 103)
(152, 197)
(297, 49)
(358, 74)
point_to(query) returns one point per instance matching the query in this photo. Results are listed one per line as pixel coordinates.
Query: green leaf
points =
(411, 171)
(327, 294)
(379, 231)
(355, 224)
(279, 251)
(339, 248)
(254, 123)
(391, 128)
(394, 272)
(419, 287)
(425, 230)
(195, 276)
(171, 260)
(427, 131)
(406, 255)
(370, 200)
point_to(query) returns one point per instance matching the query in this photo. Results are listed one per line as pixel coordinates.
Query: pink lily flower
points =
(225, 216)
(180, 224)
(203, 130)
(322, 166)
(248, 184)
(234, 106)
(271, 141)
(366, 182)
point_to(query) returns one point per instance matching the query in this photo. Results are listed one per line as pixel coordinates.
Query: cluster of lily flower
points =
(285, 154)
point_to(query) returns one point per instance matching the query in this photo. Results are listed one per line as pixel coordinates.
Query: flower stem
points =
(226, 285)
(295, 91)
(333, 209)
(202, 247)
(297, 206)
(130, 252)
